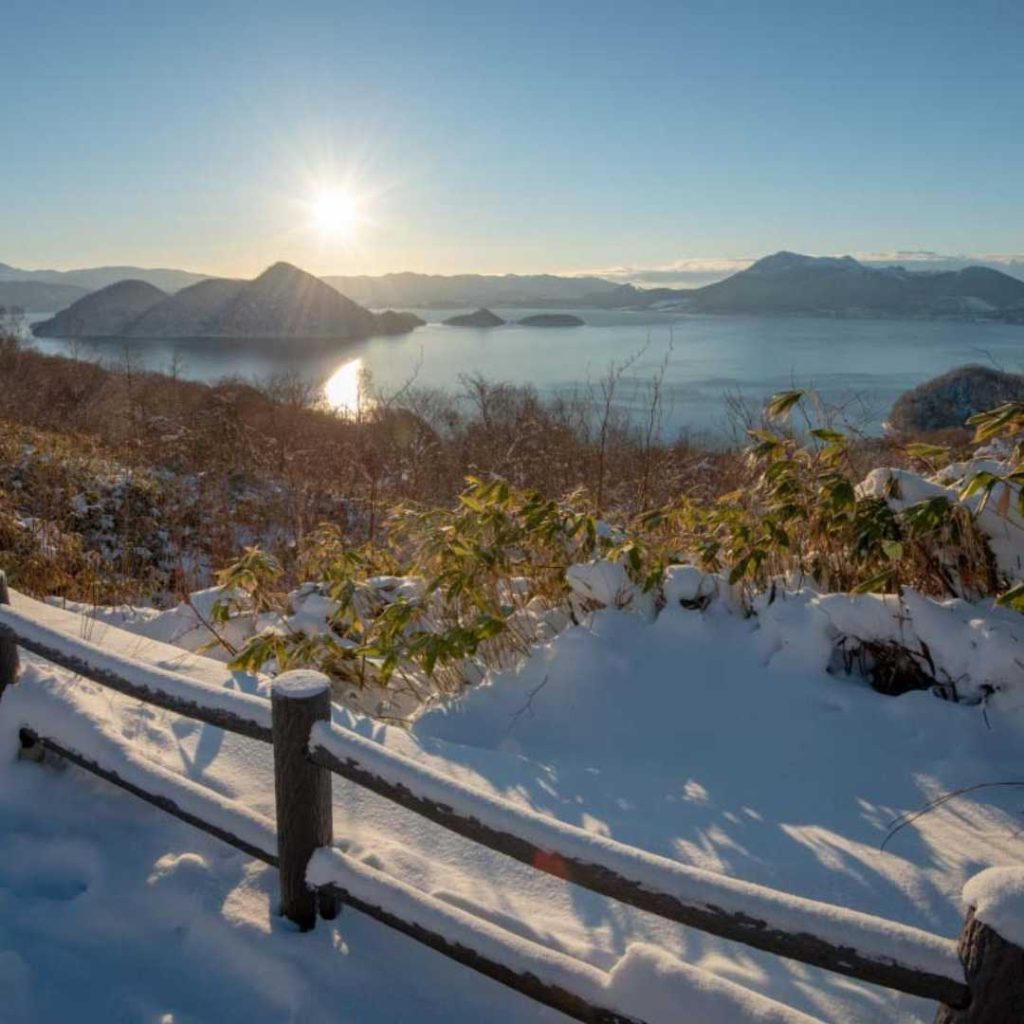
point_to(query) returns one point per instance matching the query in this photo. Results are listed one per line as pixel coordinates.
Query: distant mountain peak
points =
(785, 261)
(282, 270)
(790, 282)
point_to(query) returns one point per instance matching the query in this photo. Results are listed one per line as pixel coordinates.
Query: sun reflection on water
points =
(343, 390)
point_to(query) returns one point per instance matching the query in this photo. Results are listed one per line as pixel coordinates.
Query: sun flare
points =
(343, 390)
(334, 213)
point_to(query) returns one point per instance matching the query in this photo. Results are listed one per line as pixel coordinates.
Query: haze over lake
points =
(867, 363)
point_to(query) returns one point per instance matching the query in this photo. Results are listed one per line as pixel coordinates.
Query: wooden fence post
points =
(8, 646)
(302, 790)
(995, 974)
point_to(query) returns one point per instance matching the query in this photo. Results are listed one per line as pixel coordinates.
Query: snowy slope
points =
(698, 736)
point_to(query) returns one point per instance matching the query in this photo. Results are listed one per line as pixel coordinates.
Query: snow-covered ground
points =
(714, 739)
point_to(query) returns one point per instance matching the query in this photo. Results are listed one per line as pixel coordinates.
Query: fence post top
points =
(997, 897)
(300, 683)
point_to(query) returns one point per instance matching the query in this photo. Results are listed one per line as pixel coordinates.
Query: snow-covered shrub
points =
(446, 594)
(805, 515)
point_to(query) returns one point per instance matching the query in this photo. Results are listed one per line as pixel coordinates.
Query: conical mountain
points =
(282, 303)
(286, 302)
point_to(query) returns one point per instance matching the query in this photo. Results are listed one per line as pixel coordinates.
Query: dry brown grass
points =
(202, 469)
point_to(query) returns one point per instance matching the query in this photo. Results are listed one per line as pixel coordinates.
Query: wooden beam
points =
(739, 927)
(995, 968)
(220, 717)
(302, 790)
(539, 991)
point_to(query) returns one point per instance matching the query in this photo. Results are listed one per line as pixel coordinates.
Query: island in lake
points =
(284, 302)
(481, 318)
(551, 320)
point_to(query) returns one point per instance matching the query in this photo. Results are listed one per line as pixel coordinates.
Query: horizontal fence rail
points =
(315, 875)
(554, 979)
(906, 959)
(480, 944)
(237, 712)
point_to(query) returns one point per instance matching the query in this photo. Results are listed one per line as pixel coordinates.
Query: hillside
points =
(190, 313)
(102, 314)
(283, 302)
(950, 399)
(38, 296)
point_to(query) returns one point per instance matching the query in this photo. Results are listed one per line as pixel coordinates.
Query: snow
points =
(300, 683)
(522, 956)
(602, 582)
(686, 585)
(716, 741)
(160, 639)
(646, 983)
(872, 936)
(77, 721)
(997, 896)
(658, 987)
(1000, 520)
(113, 657)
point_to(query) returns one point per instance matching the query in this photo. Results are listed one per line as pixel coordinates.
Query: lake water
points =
(863, 363)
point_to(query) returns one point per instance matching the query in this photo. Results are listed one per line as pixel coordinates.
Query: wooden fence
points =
(974, 984)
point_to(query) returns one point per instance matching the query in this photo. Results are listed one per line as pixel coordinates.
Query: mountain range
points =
(284, 302)
(790, 283)
(470, 290)
(785, 283)
(91, 278)
(38, 296)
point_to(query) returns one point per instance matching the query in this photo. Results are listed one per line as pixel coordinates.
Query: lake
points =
(864, 364)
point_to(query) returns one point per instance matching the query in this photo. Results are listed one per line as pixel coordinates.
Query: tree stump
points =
(995, 974)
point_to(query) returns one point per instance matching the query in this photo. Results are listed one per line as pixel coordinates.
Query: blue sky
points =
(523, 136)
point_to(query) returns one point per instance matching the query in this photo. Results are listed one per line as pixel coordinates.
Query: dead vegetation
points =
(127, 485)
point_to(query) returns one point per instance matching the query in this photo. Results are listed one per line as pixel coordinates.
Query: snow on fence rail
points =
(845, 941)
(315, 876)
(237, 712)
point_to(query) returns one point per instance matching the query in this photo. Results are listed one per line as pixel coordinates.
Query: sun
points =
(334, 213)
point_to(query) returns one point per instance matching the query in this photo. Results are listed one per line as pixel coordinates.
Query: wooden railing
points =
(315, 876)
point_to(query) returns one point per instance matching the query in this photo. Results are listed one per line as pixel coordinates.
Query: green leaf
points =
(824, 434)
(876, 583)
(1013, 598)
(780, 405)
(893, 550)
(920, 450)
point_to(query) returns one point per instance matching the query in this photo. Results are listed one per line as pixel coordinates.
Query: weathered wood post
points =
(8, 646)
(994, 966)
(302, 790)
